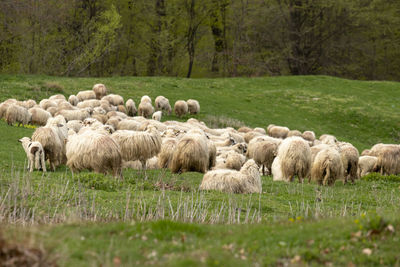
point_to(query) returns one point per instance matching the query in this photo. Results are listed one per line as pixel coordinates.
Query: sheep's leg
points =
(144, 167)
(31, 162)
(263, 169)
(37, 160)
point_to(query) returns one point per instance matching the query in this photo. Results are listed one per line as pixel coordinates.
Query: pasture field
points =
(160, 218)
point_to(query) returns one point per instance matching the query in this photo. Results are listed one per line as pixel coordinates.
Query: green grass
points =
(162, 219)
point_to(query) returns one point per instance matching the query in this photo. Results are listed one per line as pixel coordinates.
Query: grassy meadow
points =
(160, 218)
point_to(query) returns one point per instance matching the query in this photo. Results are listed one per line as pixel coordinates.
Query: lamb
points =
(191, 153)
(193, 106)
(94, 151)
(247, 180)
(35, 153)
(295, 158)
(137, 145)
(85, 95)
(180, 108)
(349, 155)
(277, 131)
(100, 90)
(167, 150)
(157, 116)
(366, 165)
(18, 114)
(73, 100)
(263, 153)
(388, 158)
(145, 109)
(131, 107)
(39, 116)
(327, 167)
(309, 136)
(162, 103)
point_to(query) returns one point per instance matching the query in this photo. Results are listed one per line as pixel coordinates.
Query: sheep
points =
(349, 155)
(114, 121)
(35, 153)
(116, 113)
(65, 105)
(75, 125)
(260, 130)
(145, 99)
(263, 153)
(167, 150)
(180, 108)
(131, 107)
(52, 144)
(244, 129)
(127, 125)
(276, 170)
(52, 110)
(228, 142)
(73, 100)
(295, 158)
(114, 99)
(157, 116)
(46, 103)
(247, 180)
(79, 114)
(145, 109)
(212, 154)
(39, 116)
(278, 131)
(28, 104)
(94, 151)
(162, 103)
(191, 153)
(85, 95)
(121, 108)
(250, 135)
(294, 133)
(137, 145)
(100, 117)
(234, 160)
(388, 158)
(327, 167)
(328, 139)
(18, 114)
(239, 148)
(366, 165)
(316, 149)
(366, 152)
(237, 137)
(100, 90)
(193, 106)
(104, 104)
(4, 106)
(308, 135)
(57, 97)
(90, 103)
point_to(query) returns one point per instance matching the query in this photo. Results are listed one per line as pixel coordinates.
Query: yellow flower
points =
(291, 219)
(357, 221)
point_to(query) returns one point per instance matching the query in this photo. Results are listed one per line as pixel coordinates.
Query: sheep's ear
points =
(19, 140)
(60, 125)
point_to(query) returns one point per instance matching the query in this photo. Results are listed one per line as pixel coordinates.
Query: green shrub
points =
(378, 177)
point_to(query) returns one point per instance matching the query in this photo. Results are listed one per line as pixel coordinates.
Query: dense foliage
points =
(356, 39)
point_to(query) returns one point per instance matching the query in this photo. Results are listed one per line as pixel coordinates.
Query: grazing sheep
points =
(4, 106)
(276, 170)
(73, 100)
(328, 139)
(234, 160)
(191, 153)
(309, 136)
(244, 129)
(388, 158)
(65, 105)
(366, 152)
(100, 90)
(145, 109)
(127, 125)
(121, 108)
(18, 114)
(239, 148)
(52, 110)
(260, 130)
(193, 106)
(57, 97)
(100, 117)
(316, 149)
(278, 131)
(104, 104)
(157, 116)
(294, 133)
(228, 142)
(247, 180)
(295, 158)
(131, 107)
(39, 116)
(145, 99)
(327, 167)
(91, 103)
(366, 165)
(162, 103)
(137, 145)
(94, 151)
(250, 135)
(75, 125)
(237, 137)
(35, 153)
(117, 113)
(180, 108)
(28, 104)
(86, 95)
(114, 121)
(349, 155)
(167, 150)
(263, 153)
(46, 103)
(52, 144)
(79, 114)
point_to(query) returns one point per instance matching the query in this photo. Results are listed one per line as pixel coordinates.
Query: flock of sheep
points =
(100, 132)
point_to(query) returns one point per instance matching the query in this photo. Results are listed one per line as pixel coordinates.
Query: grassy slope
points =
(324, 104)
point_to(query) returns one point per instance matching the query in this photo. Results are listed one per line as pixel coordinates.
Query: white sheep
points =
(100, 90)
(145, 109)
(90, 103)
(73, 100)
(162, 103)
(366, 165)
(247, 180)
(35, 154)
(131, 107)
(18, 114)
(327, 167)
(180, 108)
(193, 106)
(85, 95)
(145, 99)
(277, 131)
(79, 114)
(39, 116)
(157, 116)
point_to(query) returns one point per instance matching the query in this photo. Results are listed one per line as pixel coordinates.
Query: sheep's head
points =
(24, 140)
(241, 147)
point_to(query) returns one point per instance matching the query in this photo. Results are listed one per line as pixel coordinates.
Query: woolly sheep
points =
(180, 108)
(3, 108)
(278, 131)
(145, 99)
(328, 139)
(79, 114)
(35, 154)
(65, 105)
(250, 135)
(114, 99)
(52, 110)
(327, 167)
(247, 180)
(18, 114)
(295, 158)
(349, 155)
(100, 90)
(75, 125)
(294, 133)
(309, 136)
(114, 121)
(100, 117)
(162, 103)
(244, 129)
(239, 148)
(145, 109)
(388, 158)
(167, 150)
(85, 95)
(90, 103)
(73, 100)
(366, 152)
(228, 142)
(117, 113)
(94, 151)
(260, 130)
(121, 108)
(316, 149)
(366, 165)
(128, 125)
(131, 107)
(263, 153)
(46, 103)
(276, 170)
(28, 104)
(193, 106)
(157, 116)
(137, 145)
(52, 144)
(234, 160)
(39, 116)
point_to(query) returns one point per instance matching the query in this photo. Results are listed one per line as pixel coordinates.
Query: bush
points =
(378, 177)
